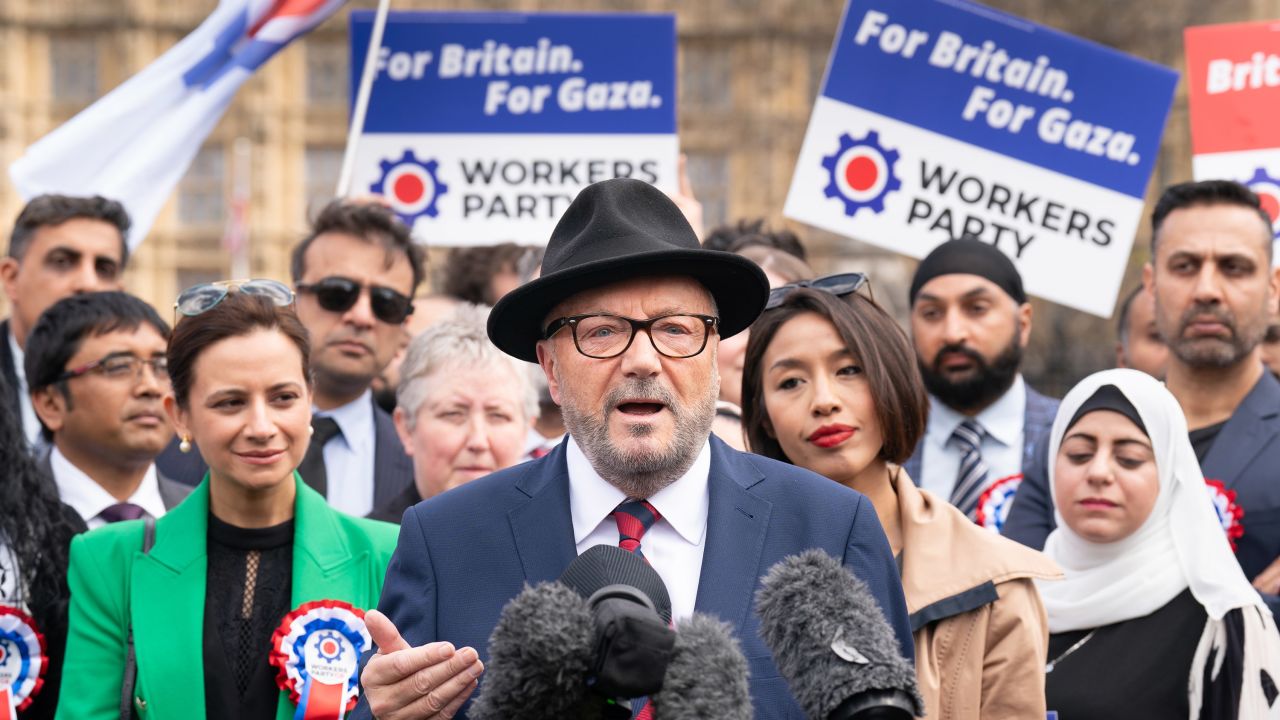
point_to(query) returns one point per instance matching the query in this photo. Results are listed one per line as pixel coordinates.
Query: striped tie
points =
(634, 518)
(972, 478)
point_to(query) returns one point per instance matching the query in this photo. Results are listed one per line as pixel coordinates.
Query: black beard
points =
(988, 382)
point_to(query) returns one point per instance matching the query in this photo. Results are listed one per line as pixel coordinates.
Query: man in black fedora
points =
(625, 323)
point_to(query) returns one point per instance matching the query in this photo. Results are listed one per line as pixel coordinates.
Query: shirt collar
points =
(355, 420)
(683, 504)
(89, 499)
(1002, 420)
(19, 359)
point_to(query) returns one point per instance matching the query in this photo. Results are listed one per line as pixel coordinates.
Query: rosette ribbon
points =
(995, 502)
(22, 661)
(316, 651)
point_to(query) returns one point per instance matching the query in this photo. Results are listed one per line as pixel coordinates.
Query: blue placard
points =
(509, 73)
(947, 65)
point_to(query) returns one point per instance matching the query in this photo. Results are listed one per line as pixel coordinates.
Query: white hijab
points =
(1180, 545)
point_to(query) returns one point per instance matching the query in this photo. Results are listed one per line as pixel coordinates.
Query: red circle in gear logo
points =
(860, 173)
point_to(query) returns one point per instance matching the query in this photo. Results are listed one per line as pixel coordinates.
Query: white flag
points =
(135, 144)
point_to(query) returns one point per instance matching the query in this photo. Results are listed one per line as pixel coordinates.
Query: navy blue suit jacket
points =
(1245, 457)
(463, 554)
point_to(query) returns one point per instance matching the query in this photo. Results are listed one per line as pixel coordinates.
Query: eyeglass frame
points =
(839, 287)
(711, 322)
(227, 287)
(101, 362)
(360, 288)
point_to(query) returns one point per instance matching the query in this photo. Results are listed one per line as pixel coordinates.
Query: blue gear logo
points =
(861, 173)
(411, 186)
(329, 646)
(1267, 189)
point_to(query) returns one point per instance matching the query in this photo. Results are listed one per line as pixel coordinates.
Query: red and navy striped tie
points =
(634, 518)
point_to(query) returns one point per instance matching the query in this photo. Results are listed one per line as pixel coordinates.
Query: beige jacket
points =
(980, 629)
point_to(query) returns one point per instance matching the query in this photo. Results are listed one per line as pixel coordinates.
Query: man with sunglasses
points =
(97, 370)
(60, 246)
(625, 322)
(970, 322)
(355, 275)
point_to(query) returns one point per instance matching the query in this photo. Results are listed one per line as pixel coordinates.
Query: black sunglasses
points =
(840, 285)
(339, 294)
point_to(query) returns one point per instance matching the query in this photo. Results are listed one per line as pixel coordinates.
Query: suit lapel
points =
(9, 369)
(323, 566)
(167, 609)
(1246, 432)
(543, 526)
(737, 522)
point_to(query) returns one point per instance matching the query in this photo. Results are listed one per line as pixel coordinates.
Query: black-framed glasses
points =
(840, 285)
(601, 336)
(202, 298)
(339, 294)
(121, 366)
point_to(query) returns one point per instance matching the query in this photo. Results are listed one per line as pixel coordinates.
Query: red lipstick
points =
(829, 436)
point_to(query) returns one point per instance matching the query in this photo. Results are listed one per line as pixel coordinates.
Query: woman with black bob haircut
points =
(36, 529)
(831, 384)
(248, 597)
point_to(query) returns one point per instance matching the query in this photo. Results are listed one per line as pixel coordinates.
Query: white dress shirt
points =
(673, 546)
(89, 498)
(348, 460)
(1001, 444)
(30, 421)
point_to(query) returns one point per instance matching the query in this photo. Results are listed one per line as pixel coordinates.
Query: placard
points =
(939, 119)
(483, 127)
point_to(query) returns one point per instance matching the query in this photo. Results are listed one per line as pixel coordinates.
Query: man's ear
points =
(9, 267)
(547, 360)
(1024, 315)
(401, 419)
(51, 406)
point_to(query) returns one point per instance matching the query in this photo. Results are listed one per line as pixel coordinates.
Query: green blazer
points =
(335, 556)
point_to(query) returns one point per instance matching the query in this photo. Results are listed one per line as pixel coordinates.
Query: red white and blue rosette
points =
(22, 661)
(1229, 513)
(995, 501)
(317, 651)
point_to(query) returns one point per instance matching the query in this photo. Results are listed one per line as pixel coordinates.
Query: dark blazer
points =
(1037, 421)
(9, 390)
(463, 554)
(392, 468)
(1245, 457)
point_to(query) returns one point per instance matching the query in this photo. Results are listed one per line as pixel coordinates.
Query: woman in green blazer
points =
(253, 584)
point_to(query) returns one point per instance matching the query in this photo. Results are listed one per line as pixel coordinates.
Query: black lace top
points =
(246, 596)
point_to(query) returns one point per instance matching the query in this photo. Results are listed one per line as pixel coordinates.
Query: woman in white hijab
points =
(1155, 619)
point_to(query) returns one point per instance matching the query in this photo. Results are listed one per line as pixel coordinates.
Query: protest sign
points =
(1233, 93)
(482, 127)
(941, 118)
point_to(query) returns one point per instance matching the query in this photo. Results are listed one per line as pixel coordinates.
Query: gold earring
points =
(185, 444)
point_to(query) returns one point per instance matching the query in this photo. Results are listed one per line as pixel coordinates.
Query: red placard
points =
(1233, 76)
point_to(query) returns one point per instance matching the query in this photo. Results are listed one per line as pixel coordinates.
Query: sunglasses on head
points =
(840, 285)
(339, 294)
(203, 297)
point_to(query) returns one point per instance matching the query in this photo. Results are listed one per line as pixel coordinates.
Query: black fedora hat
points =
(613, 231)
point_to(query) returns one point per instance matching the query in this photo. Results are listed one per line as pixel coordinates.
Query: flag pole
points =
(362, 99)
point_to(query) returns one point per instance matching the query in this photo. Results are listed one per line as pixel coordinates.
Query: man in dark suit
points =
(625, 322)
(970, 322)
(355, 274)
(59, 246)
(96, 364)
(1215, 289)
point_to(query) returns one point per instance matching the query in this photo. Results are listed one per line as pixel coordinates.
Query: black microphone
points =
(831, 642)
(539, 655)
(707, 676)
(572, 648)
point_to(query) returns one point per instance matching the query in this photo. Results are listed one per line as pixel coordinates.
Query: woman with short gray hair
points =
(463, 409)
